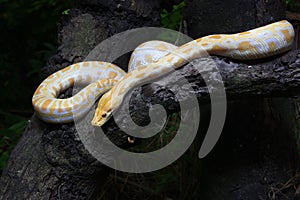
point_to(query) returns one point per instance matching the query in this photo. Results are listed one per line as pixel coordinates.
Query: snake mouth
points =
(99, 120)
(95, 122)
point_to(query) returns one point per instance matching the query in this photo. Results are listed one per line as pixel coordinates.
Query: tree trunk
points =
(51, 163)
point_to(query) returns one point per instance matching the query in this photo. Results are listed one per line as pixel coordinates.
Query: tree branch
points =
(273, 77)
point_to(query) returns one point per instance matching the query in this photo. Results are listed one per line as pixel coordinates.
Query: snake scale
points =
(149, 61)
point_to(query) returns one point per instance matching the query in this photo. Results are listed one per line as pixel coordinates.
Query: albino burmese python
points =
(149, 61)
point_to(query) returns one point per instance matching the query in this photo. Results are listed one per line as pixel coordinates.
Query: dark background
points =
(28, 38)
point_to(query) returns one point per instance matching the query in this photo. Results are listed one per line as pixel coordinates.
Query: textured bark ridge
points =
(50, 162)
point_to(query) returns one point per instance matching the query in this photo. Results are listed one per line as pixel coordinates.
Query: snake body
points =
(149, 61)
(98, 76)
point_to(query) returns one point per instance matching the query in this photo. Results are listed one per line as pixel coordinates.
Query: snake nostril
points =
(104, 115)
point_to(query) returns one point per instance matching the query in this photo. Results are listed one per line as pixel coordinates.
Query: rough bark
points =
(51, 163)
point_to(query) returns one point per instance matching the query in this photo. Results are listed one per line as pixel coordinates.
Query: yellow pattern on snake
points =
(149, 61)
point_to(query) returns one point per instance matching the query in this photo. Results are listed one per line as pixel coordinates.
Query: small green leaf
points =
(3, 159)
(172, 19)
(66, 12)
(18, 127)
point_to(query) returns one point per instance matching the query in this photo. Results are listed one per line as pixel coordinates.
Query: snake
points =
(149, 61)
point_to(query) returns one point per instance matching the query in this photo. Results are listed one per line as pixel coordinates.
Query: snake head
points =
(103, 110)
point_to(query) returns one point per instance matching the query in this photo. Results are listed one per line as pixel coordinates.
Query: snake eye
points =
(104, 115)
